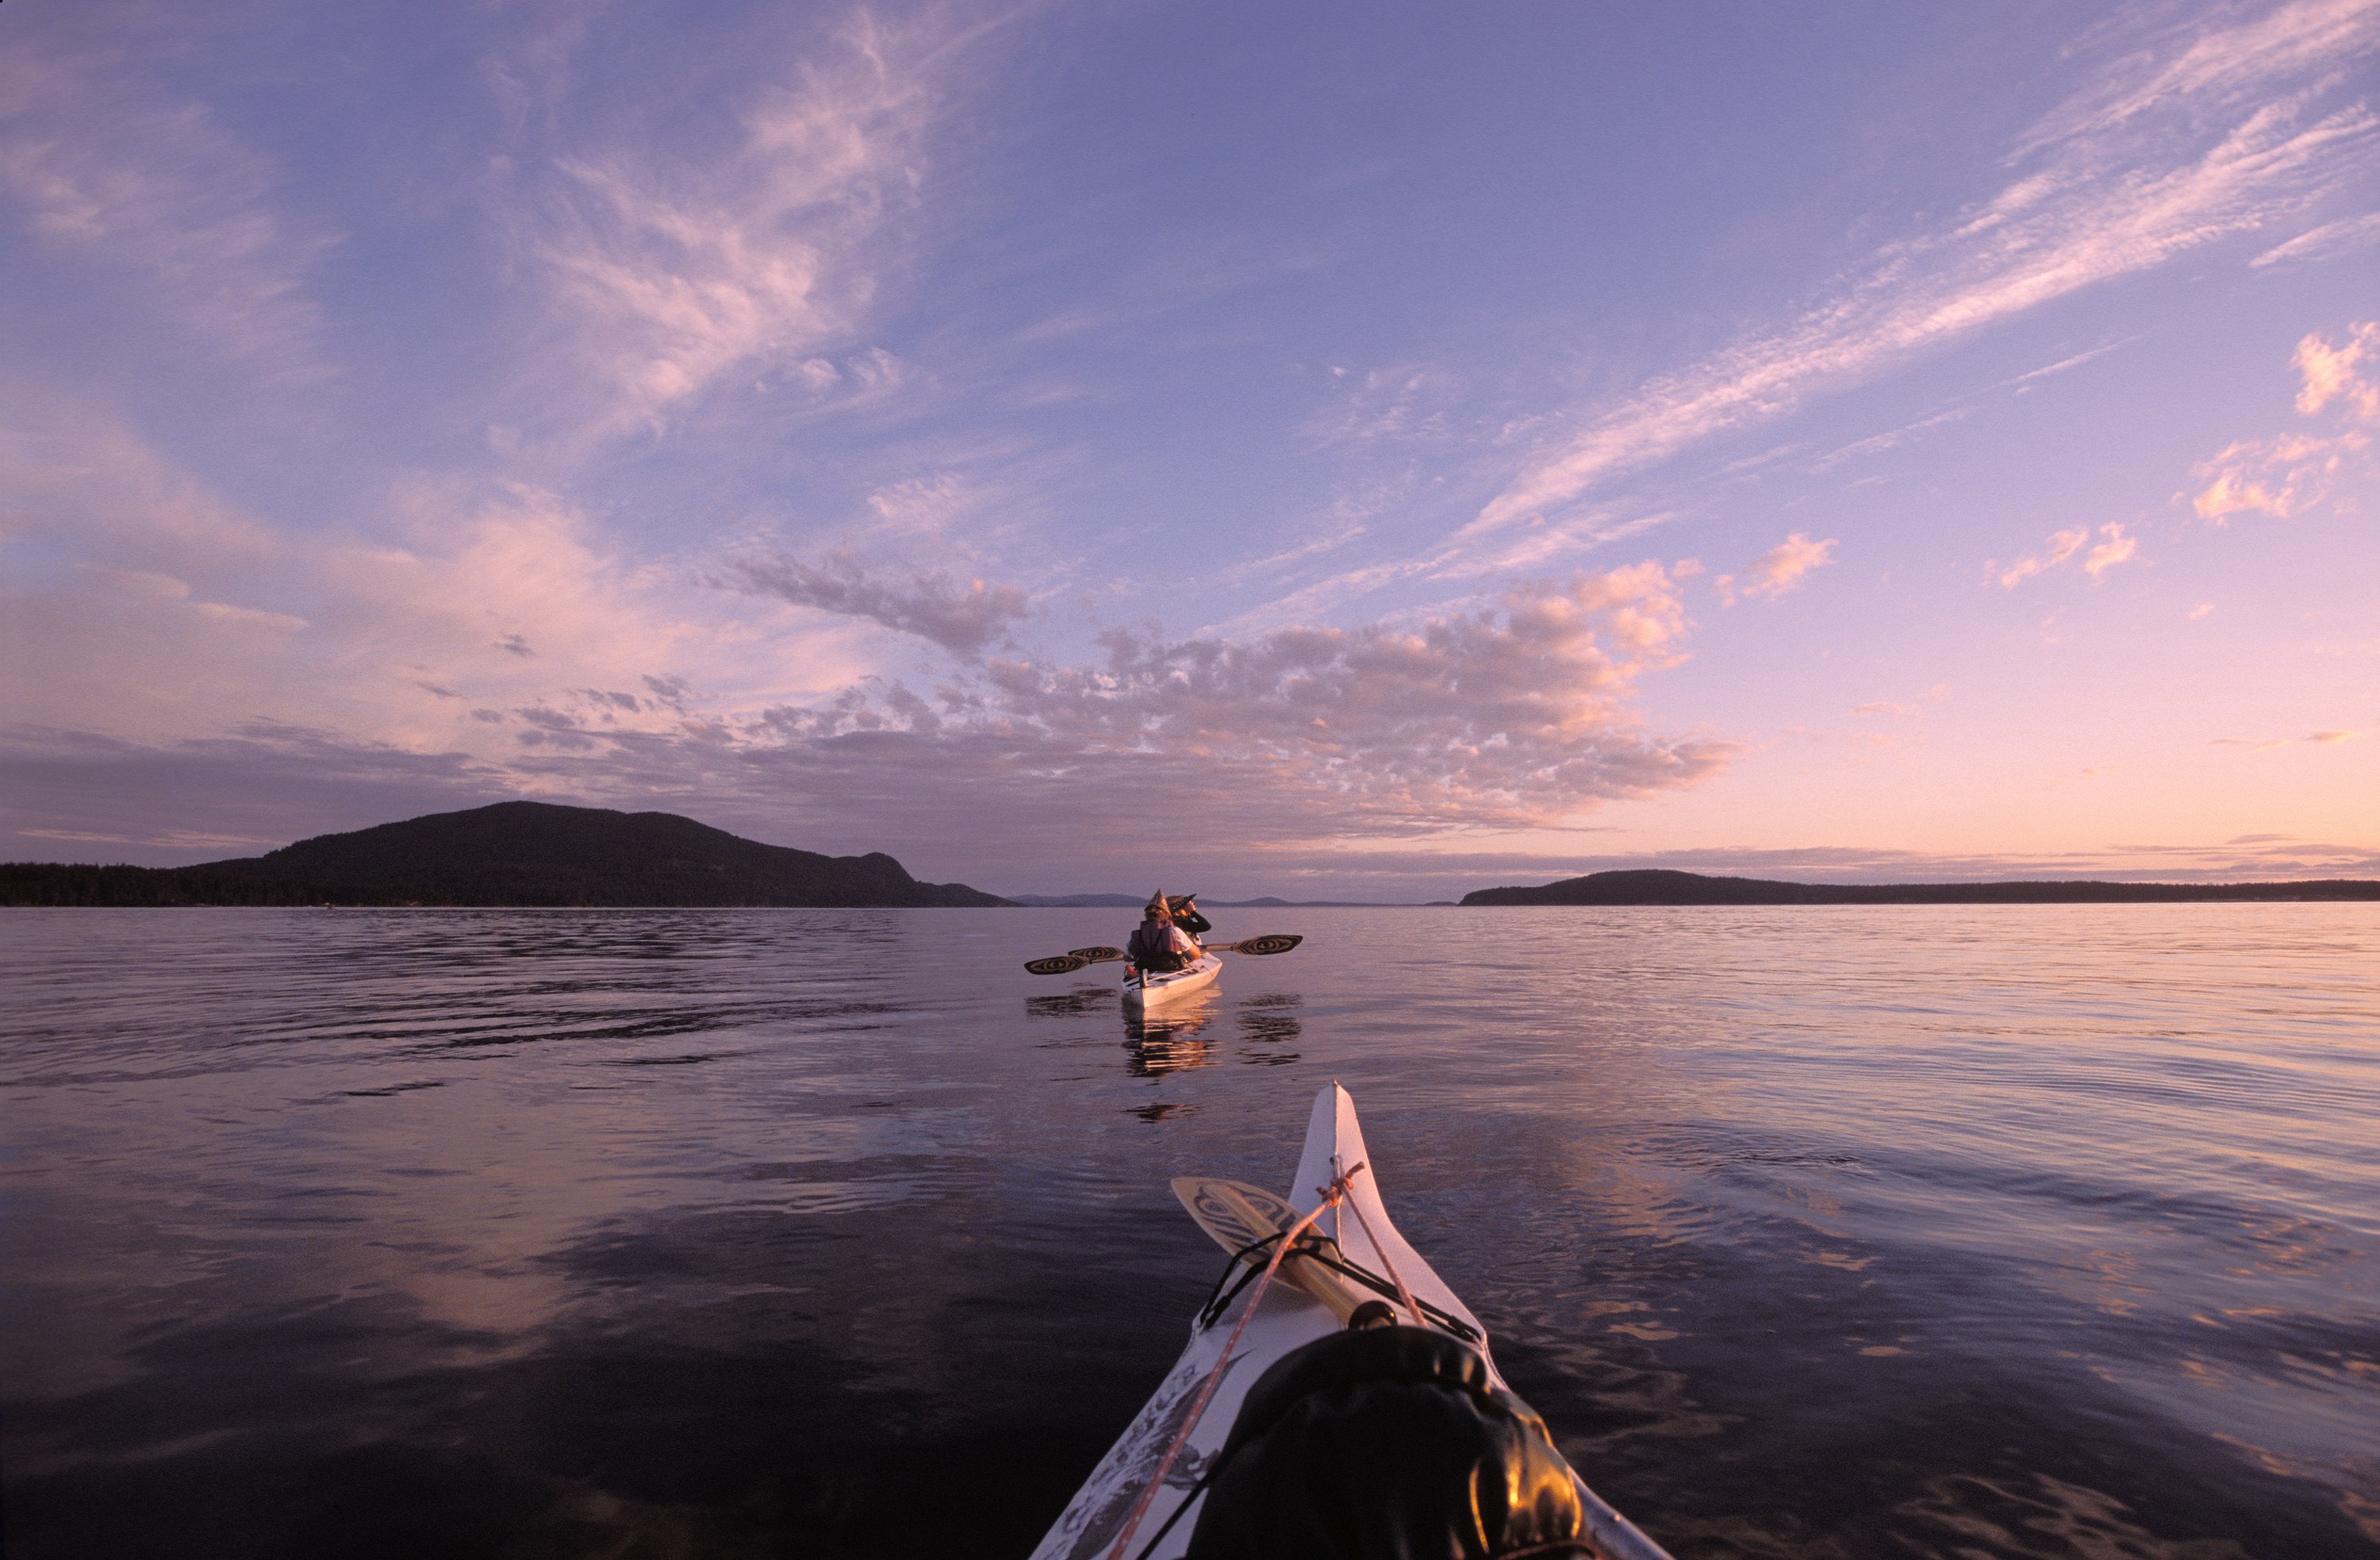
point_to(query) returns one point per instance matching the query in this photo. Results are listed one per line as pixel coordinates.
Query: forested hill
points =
(1658, 886)
(513, 853)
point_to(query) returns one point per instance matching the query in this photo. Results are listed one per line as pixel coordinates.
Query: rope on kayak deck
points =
(1247, 1266)
(1380, 1250)
(1243, 1266)
(1332, 1195)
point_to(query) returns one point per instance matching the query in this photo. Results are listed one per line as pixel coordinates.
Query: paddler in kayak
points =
(1186, 916)
(1159, 946)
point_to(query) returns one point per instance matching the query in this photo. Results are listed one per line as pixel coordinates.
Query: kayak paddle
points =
(1244, 1220)
(1271, 943)
(1067, 963)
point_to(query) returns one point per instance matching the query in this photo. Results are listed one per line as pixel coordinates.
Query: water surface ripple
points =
(1840, 1231)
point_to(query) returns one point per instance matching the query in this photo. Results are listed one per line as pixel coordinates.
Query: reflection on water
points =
(1269, 1029)
(1184, 1035)
(1153, 1052)
(1174, 1038)
(2010, 1231)
(1075, 1004)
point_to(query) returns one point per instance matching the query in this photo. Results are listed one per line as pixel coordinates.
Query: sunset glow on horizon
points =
(1353, 453)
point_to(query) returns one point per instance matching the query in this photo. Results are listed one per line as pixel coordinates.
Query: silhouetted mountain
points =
(513, 853)
(1661, 886)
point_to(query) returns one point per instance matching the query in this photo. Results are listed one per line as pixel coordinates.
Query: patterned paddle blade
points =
(1238, 1215)
(1095, 955)
(1065, 964)
(1275, 942)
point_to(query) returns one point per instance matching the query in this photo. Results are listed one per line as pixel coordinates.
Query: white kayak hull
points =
(1285, 1319)
(1144, 992)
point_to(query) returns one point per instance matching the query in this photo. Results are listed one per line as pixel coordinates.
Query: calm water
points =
(2039, 1231)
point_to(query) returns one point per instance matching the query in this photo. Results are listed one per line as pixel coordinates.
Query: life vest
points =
(1151, 947)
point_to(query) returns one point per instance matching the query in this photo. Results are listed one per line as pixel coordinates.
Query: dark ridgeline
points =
(526, 853)
(1661, 886)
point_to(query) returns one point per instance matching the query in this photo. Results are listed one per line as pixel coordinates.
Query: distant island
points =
(514, 853)
(1661, 886)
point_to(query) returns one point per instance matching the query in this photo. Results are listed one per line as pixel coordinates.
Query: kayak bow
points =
(1307, 1303)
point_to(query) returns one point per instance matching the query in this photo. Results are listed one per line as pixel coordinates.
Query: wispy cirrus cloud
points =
(2320, 243)
(678, 275)
(2197, 137)
(1397, 403)
(159, 191)
(2213, 70)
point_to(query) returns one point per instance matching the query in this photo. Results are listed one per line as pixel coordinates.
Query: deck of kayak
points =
(1284, 1318)
(1144, 990)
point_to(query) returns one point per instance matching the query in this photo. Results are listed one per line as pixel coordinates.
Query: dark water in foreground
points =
(1941, 1231)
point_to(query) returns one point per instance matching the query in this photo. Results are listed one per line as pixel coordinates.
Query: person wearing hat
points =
(1186, 916)
(1157, 945)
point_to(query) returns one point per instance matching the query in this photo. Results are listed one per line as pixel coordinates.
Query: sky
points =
(1337, 451)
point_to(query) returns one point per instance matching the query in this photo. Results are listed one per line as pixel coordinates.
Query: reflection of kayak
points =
(1145, 990)
(1302, 1307)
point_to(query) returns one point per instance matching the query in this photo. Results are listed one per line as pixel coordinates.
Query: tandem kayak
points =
(1144, 990)
(1303, 1471)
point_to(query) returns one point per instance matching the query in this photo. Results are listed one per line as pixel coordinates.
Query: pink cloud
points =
(2063, 545)
(2116, 545)
(2290, 473)
(1514, 715)
(1777, 570)
(678, 277)
(507, 639)
(2336, 373)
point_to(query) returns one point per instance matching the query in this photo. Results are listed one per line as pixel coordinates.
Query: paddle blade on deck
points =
(1238, 1215)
